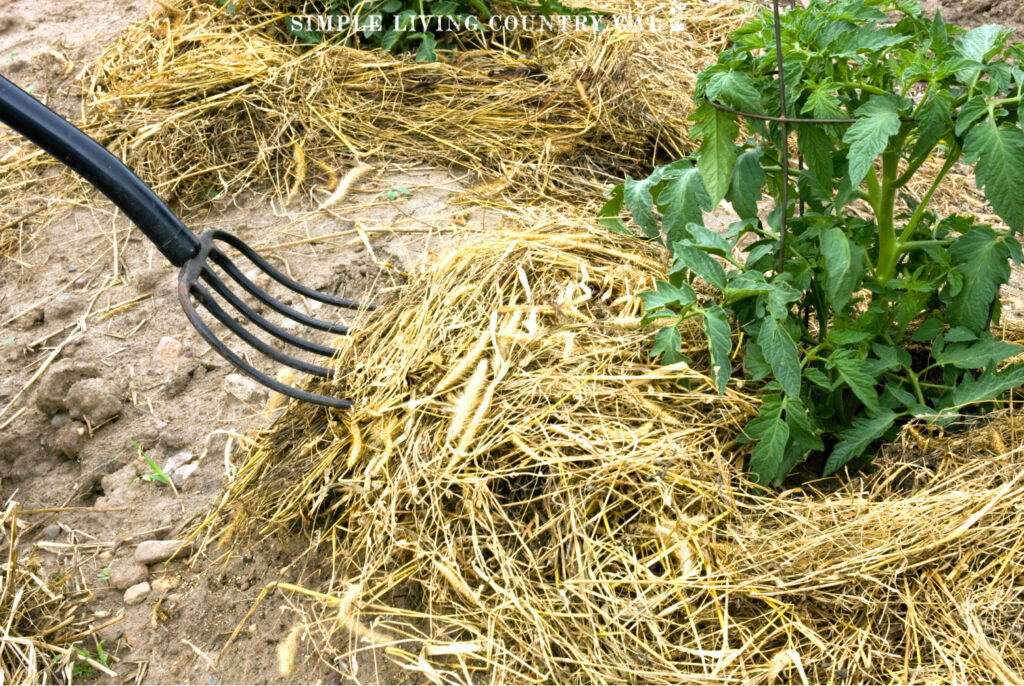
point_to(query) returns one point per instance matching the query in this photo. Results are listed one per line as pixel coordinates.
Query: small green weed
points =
(157, 475)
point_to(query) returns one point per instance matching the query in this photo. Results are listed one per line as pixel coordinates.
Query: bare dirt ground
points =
(97, 361)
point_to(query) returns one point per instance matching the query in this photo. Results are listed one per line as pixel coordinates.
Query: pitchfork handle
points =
(44, 127)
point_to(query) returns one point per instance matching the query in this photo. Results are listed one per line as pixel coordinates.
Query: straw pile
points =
(200, 102)
(40, 613)
(520, 496)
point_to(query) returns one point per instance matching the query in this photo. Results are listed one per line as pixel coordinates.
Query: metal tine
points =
(206, 300)
(237, 361)
(222, 289)
(283, 278)
(225, 263)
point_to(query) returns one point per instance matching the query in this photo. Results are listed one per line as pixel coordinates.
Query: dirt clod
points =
(58, 380)
(51, 532)
(70, 438)
(94, 400)
(63, 306)
(126, 573)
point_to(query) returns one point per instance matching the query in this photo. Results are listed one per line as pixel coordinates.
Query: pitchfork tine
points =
(183, 249)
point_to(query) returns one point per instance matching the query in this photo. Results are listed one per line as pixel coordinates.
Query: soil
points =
(99, 365)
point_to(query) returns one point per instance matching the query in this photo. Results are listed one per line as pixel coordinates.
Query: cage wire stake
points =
(784, 126)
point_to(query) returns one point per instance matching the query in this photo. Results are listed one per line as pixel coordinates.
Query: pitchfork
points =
(183, 249)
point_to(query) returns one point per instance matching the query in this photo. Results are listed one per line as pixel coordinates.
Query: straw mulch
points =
(200, 102)
(521, 496)
(41, 614)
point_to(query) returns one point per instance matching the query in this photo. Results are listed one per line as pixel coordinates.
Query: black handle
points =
(44, 127)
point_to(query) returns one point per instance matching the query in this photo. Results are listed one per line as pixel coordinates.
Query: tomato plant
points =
(875, 317)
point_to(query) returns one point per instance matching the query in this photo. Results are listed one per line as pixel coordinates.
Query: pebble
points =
(245, 389)
(167, 351)
(94, 400)
(58, 380)
(51, 532)
(70, 439)
(151, 552)
(136, 594)
(127, 573)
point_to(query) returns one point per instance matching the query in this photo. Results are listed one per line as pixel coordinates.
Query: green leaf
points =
(840, 276)
(719, 333)
(800, 428)
(772, 435)
(666, 344)
(637, 197)
(976, 43)
(709, 240)
(717, 153)
(747, 180)
(854, 440)
(934, 121)
(978, 354)
(989, 386)
(685, 201)
(983, 262)
(960, 334)
(781, 354)
(735, 89)
(929, 329)
(668, 295)
(699, 262)
(846, 336)
(779, 298)
(939, 38)
(611, 210)
(877, 120)
(817, 149)
(425, 53)
(970, 113)
(742, 287)
(822, 104)
(998, 151)
(854, 373)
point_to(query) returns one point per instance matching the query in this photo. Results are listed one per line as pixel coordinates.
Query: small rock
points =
(58, 380)
(151, 552)
(51, 532)
(177, 461)
(136, 594)
(70, 439)
(94, 400)
(245, 389)
(63, 306)
(60, 419)
(167, 351)
(127, 573)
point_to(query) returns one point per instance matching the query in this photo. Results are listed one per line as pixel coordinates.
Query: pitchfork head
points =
(197, 279)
